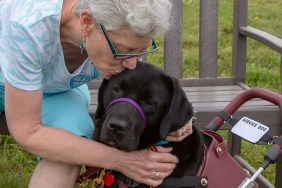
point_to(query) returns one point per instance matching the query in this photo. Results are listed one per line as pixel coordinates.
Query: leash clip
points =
(226, 121)
(271, 143)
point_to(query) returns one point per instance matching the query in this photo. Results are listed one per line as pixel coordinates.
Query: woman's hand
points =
(148, 167)
(180, 134)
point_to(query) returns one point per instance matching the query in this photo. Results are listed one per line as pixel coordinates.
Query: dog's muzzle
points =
(134, 104)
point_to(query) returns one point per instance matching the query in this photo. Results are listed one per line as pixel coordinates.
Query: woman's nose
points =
(130, 63)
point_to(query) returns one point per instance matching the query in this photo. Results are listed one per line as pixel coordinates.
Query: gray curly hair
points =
(143, 17)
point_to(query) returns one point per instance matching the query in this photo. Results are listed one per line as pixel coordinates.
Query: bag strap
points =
(227, 118)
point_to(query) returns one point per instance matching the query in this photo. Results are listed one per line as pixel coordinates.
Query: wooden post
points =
(239, 50)
(173, 43)
(208, 38)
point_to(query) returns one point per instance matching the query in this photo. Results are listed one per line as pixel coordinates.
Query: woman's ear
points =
(86, 22)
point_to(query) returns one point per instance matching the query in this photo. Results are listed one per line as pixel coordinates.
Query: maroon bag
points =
(219, 167)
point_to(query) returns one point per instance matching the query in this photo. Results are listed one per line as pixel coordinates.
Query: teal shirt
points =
(31, 55)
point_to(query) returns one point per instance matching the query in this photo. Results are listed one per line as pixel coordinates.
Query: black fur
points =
(165, 106)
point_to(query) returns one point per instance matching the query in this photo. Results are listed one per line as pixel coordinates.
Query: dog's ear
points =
(100, 108)
(179, 112)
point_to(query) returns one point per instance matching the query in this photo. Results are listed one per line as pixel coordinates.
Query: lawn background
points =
(263, 64)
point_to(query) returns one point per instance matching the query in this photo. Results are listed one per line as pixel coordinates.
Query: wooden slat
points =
(213, 88)
(253, 104)
(196, 82)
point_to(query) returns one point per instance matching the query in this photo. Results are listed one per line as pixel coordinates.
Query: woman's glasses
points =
(120, 56)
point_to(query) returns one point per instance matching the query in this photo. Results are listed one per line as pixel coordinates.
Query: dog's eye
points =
(116, 89)
(149, 102)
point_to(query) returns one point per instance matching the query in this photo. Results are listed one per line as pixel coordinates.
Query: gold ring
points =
(157, 175)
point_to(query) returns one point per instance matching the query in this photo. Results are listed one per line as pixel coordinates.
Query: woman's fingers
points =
(149, 167)
(180, 134)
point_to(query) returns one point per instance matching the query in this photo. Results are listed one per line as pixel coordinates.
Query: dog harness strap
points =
(185, 181)
(133, 103)
(227, 118)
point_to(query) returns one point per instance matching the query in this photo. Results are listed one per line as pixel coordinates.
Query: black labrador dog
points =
(138, 108)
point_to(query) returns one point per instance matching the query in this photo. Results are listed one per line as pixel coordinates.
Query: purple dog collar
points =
(133, 103)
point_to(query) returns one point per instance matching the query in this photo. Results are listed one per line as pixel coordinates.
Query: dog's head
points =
(160, 98)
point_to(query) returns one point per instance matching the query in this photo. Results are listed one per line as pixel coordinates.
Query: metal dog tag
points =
(250, 130)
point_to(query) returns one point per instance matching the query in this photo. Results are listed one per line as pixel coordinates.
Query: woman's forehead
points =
(126, 38)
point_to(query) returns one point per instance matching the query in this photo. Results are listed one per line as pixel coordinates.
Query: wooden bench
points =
(210, 93)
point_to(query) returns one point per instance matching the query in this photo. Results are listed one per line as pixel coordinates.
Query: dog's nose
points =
(119, 127)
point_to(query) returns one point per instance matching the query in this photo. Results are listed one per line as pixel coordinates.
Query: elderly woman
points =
(49, 50)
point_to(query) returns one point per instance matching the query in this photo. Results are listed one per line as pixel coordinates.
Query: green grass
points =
(16, 165)
(263, 64)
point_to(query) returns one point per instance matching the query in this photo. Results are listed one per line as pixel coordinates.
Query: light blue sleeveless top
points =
(31, 55)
